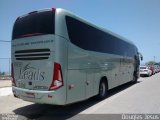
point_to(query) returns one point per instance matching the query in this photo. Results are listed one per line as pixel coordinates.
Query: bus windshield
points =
(36, 23)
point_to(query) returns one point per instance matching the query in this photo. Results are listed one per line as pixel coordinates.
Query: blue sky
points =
(137, 20)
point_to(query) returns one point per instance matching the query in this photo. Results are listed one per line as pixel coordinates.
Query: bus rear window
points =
(34, 24)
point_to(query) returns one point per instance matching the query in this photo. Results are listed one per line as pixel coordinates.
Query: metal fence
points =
(5, 62)
(5, 67)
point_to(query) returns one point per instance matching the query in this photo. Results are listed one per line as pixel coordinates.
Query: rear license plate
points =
(30, 95)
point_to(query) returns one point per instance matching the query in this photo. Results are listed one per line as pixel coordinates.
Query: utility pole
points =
(154, 58)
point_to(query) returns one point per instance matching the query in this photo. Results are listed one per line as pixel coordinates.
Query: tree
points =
(2, 73)
(150, 63)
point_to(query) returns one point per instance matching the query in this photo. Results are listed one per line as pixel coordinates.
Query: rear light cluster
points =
(57, 81)
(53, 9)
(12, 76)
(32, 34)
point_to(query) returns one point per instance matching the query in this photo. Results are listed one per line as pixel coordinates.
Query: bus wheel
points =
(134, 79)
(103, 88)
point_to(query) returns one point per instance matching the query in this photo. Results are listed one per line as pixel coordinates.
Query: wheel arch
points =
(101, 95)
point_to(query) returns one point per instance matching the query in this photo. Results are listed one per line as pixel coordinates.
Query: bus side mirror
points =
(140, 55)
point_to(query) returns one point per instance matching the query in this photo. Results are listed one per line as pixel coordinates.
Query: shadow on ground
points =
(43, 111)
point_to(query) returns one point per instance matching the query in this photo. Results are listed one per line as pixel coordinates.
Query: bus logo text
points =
(31, 73)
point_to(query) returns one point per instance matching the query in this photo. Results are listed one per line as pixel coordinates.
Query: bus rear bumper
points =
(36, 96)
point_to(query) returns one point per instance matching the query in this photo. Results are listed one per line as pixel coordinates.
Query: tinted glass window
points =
(91, 38)
(35, 23)
(143, 67)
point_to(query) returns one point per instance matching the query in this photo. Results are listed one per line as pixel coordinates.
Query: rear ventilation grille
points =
(32, 54)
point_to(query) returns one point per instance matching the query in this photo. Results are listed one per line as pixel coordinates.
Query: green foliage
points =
(150, 63)
(2, 73)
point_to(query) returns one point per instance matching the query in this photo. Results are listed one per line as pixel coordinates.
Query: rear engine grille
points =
(32, 54)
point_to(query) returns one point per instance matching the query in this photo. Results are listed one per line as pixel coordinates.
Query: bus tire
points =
(135, 78)
(103, 90)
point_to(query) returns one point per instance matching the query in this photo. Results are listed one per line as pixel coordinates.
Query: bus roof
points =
(61, 11)
(66, 12)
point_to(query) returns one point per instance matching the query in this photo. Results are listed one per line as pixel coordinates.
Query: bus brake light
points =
(53, 9)
(12, 76)
(57, 81)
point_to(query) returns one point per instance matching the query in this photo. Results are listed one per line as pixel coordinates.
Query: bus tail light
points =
(53, 9)
(57, 81)
(12, 76)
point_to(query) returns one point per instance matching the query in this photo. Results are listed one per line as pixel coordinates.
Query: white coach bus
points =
(59, 58)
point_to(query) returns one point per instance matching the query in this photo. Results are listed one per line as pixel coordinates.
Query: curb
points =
(4, 86)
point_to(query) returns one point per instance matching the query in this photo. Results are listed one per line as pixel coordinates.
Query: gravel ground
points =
(5, 83)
